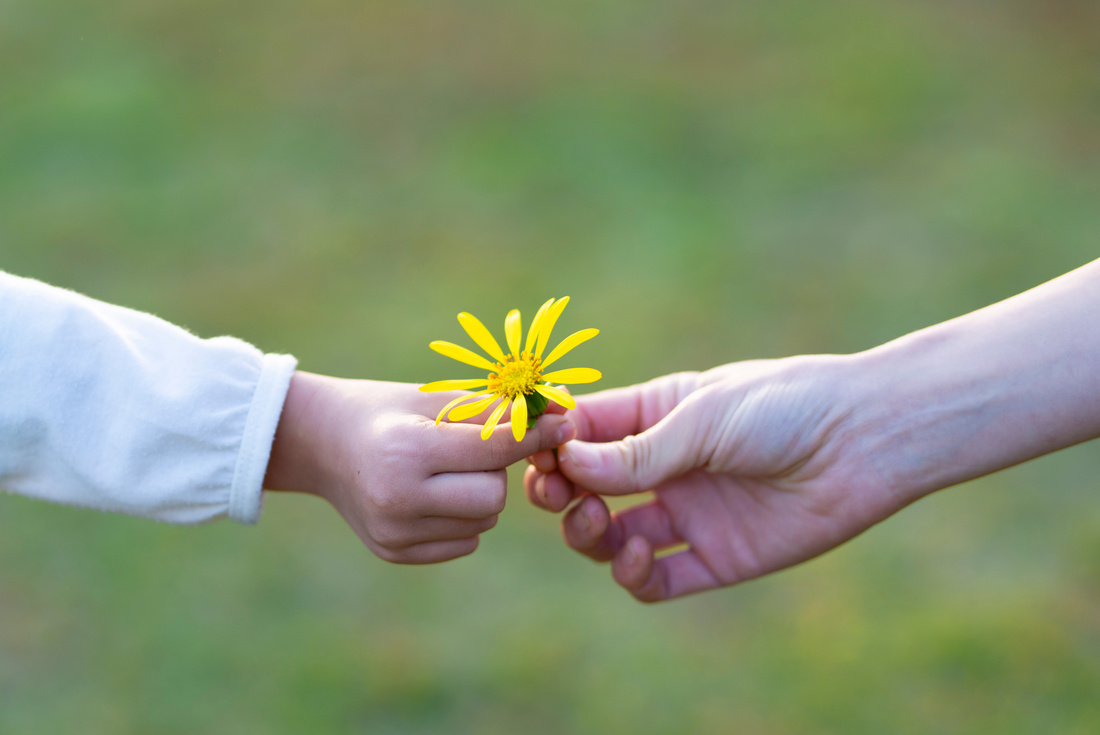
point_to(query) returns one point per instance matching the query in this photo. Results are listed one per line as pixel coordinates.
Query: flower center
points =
(514, 377)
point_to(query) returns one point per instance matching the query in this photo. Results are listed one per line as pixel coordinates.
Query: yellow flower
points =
(518, 378)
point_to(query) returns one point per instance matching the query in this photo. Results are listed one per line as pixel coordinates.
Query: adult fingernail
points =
(566, 432)
(586, 516)
(632, 551)
(580, 454)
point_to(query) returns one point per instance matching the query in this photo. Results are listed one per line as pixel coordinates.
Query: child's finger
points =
(552, 408)
(460, 448)
(432, 552)
(464, 494)
(448, 529)
(547, 461)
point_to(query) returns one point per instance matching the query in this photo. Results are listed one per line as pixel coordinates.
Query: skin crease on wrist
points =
(292, 466)
(760, 465)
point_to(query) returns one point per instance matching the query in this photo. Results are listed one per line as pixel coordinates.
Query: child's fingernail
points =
(566, 432)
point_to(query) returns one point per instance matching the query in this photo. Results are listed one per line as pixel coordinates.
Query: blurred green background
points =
(709, 181)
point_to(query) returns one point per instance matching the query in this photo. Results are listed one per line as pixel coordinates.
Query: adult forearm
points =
(987, 390)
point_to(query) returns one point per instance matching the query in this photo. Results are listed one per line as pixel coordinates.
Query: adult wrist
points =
(966, 398)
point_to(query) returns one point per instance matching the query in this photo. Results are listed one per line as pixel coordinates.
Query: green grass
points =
(709, 182)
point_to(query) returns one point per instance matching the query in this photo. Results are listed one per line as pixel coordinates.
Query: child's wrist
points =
(293, 463)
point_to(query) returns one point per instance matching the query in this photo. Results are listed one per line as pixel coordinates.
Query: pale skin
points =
(757, 466)
(414, 492)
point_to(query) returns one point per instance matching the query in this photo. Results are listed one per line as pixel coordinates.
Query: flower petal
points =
(533, 330)
(573, 375)
(455, 402)
(513, 330)
(557, 395)
(494, 417)
(442, 385)
(569, 343)
(481, 335)
(519, 417)
(462, 354)
(548, 322)
(472, 409)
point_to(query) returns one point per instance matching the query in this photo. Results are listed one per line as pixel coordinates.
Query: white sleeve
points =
(109, 408)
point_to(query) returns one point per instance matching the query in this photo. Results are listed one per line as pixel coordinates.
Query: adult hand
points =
(752, 465)
(760, 465)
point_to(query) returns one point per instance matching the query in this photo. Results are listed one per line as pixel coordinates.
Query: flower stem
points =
(536, 406)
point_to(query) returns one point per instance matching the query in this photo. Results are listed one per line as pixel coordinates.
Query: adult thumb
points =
(636, 463)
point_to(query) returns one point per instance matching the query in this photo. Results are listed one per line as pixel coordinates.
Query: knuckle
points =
(498, 454)
(404, 444)
(636, 455)
(391, 555)
(530, 477)
(532, 495)
(582, 541)
(392, 501)
(390, 538)
(498, 496)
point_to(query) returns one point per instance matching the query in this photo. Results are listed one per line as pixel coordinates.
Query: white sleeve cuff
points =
(246, 493)
(109, 408)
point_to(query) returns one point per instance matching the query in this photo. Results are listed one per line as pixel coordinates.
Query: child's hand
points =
(414, 492)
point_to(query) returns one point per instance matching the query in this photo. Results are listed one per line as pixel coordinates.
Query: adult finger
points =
(620, 412)
(640, 462)
(464, 494)
(545, 462)
(549, 491)
(584, 529)
(600, 535)
(612, 414)
(651, 580)
(459, 447)
(532, 486)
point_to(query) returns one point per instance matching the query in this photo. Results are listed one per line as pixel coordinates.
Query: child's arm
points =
(110, 408)
(414, 492)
